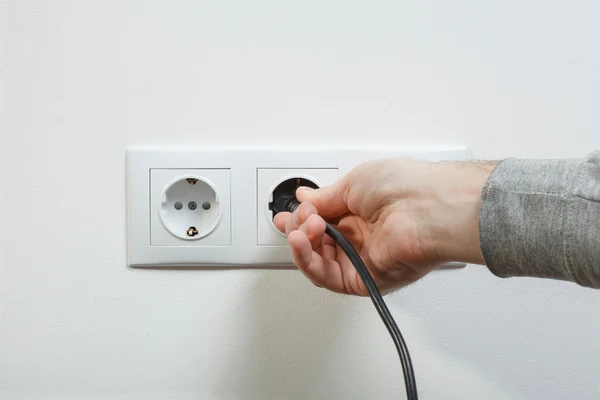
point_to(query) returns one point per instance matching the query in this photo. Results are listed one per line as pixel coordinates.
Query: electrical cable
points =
(378, 302)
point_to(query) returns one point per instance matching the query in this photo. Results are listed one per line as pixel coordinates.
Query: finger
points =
(320, 271)
(314, 228)
(281, 219)
(351, 229)
(327, 250)
(354, 283)
(299, 216)
(330, 201)
(303, 257)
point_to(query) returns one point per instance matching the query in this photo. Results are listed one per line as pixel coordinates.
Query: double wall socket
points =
(209, 206)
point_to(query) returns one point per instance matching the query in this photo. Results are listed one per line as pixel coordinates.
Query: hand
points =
(404, 218)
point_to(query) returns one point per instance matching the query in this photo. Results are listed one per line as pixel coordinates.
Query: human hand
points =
(404, 217)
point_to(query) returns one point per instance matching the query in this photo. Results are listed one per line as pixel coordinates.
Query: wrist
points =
(456, 190)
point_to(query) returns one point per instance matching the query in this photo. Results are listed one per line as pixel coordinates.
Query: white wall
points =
(84, 79)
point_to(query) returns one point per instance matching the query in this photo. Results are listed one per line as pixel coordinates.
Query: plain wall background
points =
(84, 79)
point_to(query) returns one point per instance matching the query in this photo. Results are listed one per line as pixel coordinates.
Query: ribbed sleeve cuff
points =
(522, 218)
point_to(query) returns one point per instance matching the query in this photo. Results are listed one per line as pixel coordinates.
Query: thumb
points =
(331, 201)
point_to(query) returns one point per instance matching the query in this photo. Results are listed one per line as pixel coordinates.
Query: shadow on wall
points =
(283, 342)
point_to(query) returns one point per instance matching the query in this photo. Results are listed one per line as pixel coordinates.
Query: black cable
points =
(384, 313)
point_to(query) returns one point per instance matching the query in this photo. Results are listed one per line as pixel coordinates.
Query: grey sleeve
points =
(541, 218)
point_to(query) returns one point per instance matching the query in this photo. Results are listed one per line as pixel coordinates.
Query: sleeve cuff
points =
(522, 217)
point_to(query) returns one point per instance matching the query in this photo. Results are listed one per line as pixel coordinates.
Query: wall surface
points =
(84, 79)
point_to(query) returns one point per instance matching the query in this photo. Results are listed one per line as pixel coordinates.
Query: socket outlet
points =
(190, 207)
(267, 181)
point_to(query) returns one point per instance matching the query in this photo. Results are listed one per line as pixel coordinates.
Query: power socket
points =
(190, 207)
(268, 179)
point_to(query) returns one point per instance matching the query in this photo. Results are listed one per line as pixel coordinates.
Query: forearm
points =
(541, 218)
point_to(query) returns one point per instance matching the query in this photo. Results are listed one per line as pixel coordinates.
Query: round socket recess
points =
(284, 192)
(190, 208)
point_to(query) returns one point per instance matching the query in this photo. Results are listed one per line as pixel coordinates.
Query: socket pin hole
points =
(206, 205)
(178, 205)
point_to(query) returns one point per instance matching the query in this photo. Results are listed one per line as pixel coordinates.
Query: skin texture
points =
(404, 217)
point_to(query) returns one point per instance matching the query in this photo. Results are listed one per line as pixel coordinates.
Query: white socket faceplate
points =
(168, 225)
(190, 208)
(243, 179)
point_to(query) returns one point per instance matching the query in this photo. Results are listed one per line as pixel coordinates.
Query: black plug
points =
(292, 205)
(284, 195)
